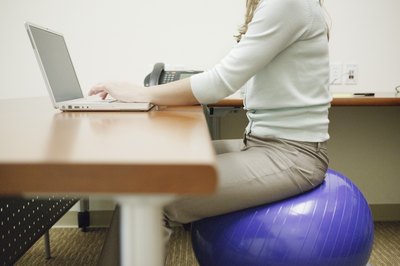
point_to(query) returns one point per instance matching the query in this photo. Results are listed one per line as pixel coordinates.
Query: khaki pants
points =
(252, 172)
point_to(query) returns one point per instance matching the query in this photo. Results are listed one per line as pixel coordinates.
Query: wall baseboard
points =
(98, 219)
(385, 212)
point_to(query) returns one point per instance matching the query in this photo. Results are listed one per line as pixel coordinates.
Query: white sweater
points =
(282, 63)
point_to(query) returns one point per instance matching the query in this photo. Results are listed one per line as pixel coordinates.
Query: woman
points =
(281, 62)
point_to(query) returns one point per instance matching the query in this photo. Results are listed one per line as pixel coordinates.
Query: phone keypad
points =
(169, 77)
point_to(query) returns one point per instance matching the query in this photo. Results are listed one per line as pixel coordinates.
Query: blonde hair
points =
(251, 6)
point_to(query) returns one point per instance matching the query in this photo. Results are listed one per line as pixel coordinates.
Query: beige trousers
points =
(252, 172)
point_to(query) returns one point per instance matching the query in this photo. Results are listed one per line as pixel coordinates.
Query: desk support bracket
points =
(213, 116)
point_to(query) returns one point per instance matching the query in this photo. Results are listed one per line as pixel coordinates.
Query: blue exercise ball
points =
(329, 225)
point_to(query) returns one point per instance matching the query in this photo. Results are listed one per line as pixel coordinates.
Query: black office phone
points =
(160, 76)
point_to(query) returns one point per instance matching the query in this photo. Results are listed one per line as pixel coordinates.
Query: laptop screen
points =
(57, 64)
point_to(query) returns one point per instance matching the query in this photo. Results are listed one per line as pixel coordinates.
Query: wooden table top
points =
(339, 99)
(162, 151)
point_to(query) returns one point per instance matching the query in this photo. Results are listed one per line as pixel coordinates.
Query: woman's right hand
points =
(173, 93)
(121, 91)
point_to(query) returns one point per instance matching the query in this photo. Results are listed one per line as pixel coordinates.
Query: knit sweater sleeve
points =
(276, 25)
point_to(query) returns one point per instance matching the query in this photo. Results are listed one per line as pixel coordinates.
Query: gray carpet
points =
(73, 247)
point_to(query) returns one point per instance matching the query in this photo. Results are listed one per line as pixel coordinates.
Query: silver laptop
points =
(60, 77)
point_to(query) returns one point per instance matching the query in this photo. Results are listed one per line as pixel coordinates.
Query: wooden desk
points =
(235, 101)
(142, 159)
(339, 99)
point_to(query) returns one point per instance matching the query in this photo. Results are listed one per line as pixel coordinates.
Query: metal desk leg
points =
(214, 127)
(142, 240)
(47, 244)
(83, 214)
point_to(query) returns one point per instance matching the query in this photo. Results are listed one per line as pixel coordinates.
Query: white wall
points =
(366, 32)
(121, 39)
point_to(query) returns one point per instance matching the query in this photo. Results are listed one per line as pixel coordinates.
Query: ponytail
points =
(251, 6)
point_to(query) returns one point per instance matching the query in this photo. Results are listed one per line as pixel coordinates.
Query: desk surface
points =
(339, 99)
(44, 150)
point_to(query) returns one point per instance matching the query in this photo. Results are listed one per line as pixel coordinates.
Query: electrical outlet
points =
(336, 74)
(351, 74)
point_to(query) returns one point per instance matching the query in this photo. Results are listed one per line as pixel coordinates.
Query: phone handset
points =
(160, 76)
(156, 74)
(153, 78)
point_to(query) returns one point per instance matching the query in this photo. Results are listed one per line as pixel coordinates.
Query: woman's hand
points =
(174, 93)
(121, 91)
